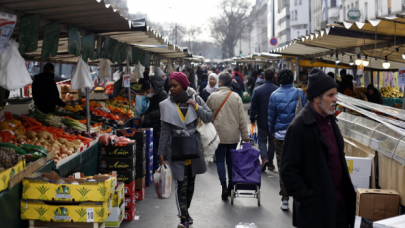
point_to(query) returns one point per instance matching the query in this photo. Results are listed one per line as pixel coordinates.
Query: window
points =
(296, 15)
(365, 11)
(300, 2)
(357, 4)
(295, 2)
(298, 34)
(333, 3)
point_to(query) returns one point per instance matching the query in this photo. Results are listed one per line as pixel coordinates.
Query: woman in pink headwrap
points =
(180, 142)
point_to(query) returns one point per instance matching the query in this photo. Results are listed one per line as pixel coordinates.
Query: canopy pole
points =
(336, 71)
(403, 99)
(87, 110)
(128, 71)
(297, 71)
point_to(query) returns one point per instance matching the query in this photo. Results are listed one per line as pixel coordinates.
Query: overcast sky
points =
(186, 12)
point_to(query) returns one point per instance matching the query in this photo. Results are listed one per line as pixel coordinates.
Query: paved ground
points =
(208, 210)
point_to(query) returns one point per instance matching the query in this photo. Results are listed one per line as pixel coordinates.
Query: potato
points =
(62, 140)
(35, 139)
(31, 134)
(54, 145)
(70, 149)
(41, 140)
(18, 136)
(77, 141)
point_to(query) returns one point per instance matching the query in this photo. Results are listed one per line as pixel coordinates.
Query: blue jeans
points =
(221, 153)
(264, 139)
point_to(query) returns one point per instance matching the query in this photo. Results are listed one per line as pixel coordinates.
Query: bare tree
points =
(228, 27)
(191, 34)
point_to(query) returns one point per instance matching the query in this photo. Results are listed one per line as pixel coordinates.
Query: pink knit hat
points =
(181, 78)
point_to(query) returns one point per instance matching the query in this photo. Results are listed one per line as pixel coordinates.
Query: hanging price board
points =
(126, 80)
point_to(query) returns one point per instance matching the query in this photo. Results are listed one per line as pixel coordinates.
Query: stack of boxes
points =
(149, 157)
(121, 159)
(360, 171)
(140, 137)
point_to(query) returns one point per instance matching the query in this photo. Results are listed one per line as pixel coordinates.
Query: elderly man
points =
(230, 123)
(313, 165)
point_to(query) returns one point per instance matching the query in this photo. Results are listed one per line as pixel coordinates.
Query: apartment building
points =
(299, 18)
(371, 9)
(282, 25)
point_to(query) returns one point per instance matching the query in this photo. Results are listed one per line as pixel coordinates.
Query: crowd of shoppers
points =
(297, 127)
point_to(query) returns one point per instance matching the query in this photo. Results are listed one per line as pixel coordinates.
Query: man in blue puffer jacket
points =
(281, 112)
(258, 111)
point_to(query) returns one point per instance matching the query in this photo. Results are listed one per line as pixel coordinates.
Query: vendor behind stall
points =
(373, 95)
(44, 91)
(151, 118)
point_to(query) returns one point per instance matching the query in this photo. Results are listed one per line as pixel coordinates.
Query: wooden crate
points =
(37, 223)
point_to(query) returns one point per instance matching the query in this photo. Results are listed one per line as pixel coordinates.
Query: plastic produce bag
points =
(81, 76)
(253, 136)
(141, 105)
(245, 225)
(163, 182)
(209, 139)
(13, 71)
(104, 71)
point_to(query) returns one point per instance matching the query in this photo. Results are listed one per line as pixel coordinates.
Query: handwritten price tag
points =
(90, 214)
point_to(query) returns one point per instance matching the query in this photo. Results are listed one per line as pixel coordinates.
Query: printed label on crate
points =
(90, 214)
(61, 214)
(63, 192)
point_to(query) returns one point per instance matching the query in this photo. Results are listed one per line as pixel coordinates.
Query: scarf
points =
(181, 100)
(210, 89)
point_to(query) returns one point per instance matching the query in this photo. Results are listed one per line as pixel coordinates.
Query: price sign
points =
(126, 80)
(90, 214)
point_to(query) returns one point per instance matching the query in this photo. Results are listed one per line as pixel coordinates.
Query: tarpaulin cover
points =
(246, 166)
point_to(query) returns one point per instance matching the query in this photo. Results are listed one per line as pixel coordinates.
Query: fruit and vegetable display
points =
(8, 158)
(390, 92)
(109, 89)
(113, 140)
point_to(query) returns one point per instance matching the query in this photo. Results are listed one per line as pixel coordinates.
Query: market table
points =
(392, 101)
(10, 202)
(85, 162)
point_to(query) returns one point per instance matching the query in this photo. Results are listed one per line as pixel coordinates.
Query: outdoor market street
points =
(207, 208)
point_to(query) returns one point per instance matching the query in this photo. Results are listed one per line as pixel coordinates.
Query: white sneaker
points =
(284, 205)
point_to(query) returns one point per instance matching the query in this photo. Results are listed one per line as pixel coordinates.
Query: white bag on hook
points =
(104, 71)
(81, 76)
(13, 71)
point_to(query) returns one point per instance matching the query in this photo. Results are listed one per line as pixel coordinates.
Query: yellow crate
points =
(119, 194)
(6, 175)
(69, 212)
(35, 188)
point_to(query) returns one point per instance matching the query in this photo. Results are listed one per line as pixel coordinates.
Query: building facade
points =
(299, 18)
(282, 25)
(371, 9)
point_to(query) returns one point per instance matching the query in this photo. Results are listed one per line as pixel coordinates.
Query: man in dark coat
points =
(252, 81)
(191, 78)
(44, 91)
(258, 111)
(260, 80)
(373, 95)
(204, 82)
(151, 118)
(313, 166)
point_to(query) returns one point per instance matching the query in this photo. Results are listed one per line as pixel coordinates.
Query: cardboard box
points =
(39, 210)
(140, 153)
(118, 195)
(140, 183)
(395, 222)
(116, 217)
(360, 182)
(140, 194)
(129, 201)
(7, 174)
(136, 123)
(140, 170)
(377, 204)
(125, 176)
(117, 151)
(114, 163)
(359, 166)
(129, 214)
(36, 188)
(129, 189)
(356, 149)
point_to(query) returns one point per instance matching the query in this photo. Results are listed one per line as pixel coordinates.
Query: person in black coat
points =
(44, 91)
(151, 117)
(204, 82)
(252, 81)
(373, 95)
(191, 78)
(313, 166)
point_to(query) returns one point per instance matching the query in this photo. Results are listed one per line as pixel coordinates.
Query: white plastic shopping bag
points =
(163, 182)
(13, 71)
(104, 71)
(81, 76)
(209, 139)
